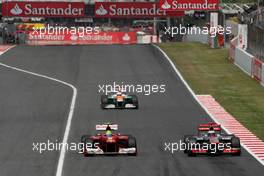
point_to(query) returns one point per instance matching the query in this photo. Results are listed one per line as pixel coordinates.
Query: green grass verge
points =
(208, 71)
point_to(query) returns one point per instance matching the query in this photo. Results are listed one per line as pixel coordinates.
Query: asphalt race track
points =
(34, 109)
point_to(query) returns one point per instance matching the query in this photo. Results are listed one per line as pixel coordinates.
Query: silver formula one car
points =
(211, 140)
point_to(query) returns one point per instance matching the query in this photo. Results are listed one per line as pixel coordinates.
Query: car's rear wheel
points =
(135, 101)
(189, 150)
(186, 141)
(104, 101)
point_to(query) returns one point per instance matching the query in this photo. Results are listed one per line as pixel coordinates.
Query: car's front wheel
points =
(87, 142)
(132, 143)
(235, 143)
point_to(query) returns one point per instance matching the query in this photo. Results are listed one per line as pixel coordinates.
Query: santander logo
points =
(166, 5)
(16, 10)
(126, 37)
(74, 37)
(39, 9)
(101, 11)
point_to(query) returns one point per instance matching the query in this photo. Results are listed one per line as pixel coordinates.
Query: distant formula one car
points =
(108, 142)
(119, 100)
(211, 140)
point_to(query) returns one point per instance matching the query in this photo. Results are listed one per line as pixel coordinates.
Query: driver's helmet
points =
(211, 132)
(119, 93)
(108, 133)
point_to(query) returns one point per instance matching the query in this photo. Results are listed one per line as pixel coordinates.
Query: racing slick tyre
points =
(86, 140)
(132, 143)
(186, 141)
(135, 101)
(235, 143)
(189, 150)
(104, 101)
(190, 153)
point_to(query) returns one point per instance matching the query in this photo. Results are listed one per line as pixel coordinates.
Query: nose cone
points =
(110, 140)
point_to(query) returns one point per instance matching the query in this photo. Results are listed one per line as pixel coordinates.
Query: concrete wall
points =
(243, 60)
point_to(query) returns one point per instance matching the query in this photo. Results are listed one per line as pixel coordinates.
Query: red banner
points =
(131, 9)
(180, 5)
(43, 9)
(257, 69)
(35, 38)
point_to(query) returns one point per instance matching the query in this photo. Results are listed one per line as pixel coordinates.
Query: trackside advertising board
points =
(257, 69)
(42, 9)
(34, 38)
(131, 9)
(179, 5)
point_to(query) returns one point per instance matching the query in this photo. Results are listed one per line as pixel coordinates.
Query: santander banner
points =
(34, 38)
(179, 5)
(43, 9)
(131, 9)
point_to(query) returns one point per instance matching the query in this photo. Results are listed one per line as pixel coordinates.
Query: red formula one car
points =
(109, 142)
(211, 140)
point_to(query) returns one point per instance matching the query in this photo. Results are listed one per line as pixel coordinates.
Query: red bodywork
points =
(102, 138)
(207, 126)
(110, 145)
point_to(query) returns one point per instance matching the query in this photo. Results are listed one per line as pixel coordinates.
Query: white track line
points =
(70, 115)
(197, 100)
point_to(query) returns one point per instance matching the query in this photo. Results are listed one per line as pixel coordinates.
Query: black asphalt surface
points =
(35, 109)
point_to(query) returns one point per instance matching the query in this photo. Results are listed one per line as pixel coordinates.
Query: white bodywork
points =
(99, 151)
(104, 126)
